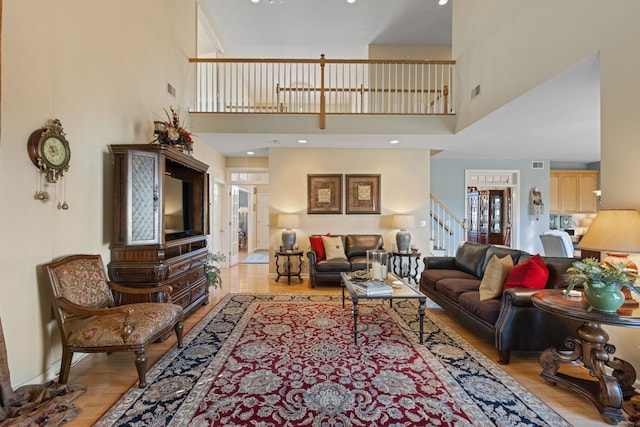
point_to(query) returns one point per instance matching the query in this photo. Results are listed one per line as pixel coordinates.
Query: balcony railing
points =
(323, 86)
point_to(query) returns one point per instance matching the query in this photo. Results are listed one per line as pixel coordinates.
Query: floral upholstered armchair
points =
(90, 322)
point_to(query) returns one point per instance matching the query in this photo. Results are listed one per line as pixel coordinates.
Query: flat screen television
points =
(178, 208)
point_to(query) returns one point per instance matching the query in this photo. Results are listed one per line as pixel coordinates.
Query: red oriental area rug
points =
(291, 361)
(296, 363)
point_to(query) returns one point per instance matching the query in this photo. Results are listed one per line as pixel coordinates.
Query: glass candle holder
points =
(377, 264)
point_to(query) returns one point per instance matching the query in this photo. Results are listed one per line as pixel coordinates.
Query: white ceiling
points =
(559, 120)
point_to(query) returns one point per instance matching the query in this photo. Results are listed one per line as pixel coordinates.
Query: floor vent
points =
(537, 164)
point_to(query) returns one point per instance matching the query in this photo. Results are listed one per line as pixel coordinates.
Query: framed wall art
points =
(324, 194)
(363, 194)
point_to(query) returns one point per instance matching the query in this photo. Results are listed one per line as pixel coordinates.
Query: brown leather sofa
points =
(355, 248)
(510, 319)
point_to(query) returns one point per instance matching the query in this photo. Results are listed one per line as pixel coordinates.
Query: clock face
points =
(54, 151)
(49, 150)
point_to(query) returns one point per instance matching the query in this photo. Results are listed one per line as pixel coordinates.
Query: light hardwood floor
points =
(107, 377)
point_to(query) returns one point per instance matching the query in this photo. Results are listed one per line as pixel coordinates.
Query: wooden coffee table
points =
(401, 290)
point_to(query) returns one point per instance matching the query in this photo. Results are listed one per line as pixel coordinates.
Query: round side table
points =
(408, 270)
(591, 347)
(286, 267)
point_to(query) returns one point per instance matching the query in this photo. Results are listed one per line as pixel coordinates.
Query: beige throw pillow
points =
(333, 247)
(494, 277)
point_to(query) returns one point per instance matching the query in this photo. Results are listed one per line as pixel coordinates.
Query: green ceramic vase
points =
(608, 299)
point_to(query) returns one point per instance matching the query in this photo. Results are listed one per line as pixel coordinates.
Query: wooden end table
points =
(591, 347)
(413, 261)
(287, 265)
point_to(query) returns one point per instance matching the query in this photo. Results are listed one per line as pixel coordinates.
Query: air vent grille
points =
(475, 91)
(537, 164)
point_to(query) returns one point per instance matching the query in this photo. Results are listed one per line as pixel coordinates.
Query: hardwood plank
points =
(107, 377)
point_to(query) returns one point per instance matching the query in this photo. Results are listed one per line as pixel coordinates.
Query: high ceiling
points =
(559, 120)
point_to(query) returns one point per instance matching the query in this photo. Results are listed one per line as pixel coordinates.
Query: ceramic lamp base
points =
(288, 239)
(403, 240)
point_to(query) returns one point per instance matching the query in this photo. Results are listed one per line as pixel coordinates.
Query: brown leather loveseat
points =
(510, 319)
(355, 251)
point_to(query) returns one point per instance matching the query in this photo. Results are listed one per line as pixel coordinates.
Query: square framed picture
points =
(363, 194)
(324, 194)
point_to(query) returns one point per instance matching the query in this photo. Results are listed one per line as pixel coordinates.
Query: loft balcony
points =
(311, 95)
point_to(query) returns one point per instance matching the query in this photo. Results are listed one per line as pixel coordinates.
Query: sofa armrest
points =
(313, 260)
(518, 297)
(439, 263)
(523, 326)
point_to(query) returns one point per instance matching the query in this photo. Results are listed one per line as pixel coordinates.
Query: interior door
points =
(216, 211)
(234, 198)
(262, 208)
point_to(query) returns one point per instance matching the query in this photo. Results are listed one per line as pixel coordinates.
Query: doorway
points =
(492, 206)
(243, 220)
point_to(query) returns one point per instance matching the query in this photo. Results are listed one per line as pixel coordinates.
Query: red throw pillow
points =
(318, 246)
(532, 273)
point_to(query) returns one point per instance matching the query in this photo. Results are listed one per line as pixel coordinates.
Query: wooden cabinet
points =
(160, 210)
(571, 191)
(486, 216)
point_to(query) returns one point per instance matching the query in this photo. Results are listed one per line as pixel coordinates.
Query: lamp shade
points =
(288, 221)
(616, 230)
(403, 221)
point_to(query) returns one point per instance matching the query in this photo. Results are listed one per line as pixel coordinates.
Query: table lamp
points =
(403, 237)
(617, 233)
(288, 222)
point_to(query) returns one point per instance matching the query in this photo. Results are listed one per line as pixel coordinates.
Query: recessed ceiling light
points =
(255, 1)
(443, 2)
(394, 141)
(353, 1)
(302, 141)
(251, 153)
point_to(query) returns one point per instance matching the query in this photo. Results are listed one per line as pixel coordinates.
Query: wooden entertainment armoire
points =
(160, 211)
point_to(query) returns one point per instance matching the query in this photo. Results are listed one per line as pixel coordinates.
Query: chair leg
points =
(179, 329)
(141, 366)
(65, 365)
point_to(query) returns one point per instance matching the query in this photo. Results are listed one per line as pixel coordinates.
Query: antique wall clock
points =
(49, 151)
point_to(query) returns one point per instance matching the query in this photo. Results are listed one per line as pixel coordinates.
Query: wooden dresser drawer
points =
(179, 284)
(182, 299)
(200, 290)
(196, 274)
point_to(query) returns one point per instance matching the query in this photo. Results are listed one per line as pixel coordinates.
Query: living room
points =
(70, 60)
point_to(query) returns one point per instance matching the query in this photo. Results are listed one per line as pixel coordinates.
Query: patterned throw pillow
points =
(495, 274)
(333, 247)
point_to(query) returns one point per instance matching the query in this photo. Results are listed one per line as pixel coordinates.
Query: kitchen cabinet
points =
(571, 191)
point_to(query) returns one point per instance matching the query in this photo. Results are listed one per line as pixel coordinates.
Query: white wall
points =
(404, 189)
(511, 46)
(102, 68)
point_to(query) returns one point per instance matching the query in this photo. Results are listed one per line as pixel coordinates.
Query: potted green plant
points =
(602, 282)
(212, 270)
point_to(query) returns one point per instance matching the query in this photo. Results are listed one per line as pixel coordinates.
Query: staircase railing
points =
(447, 230)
